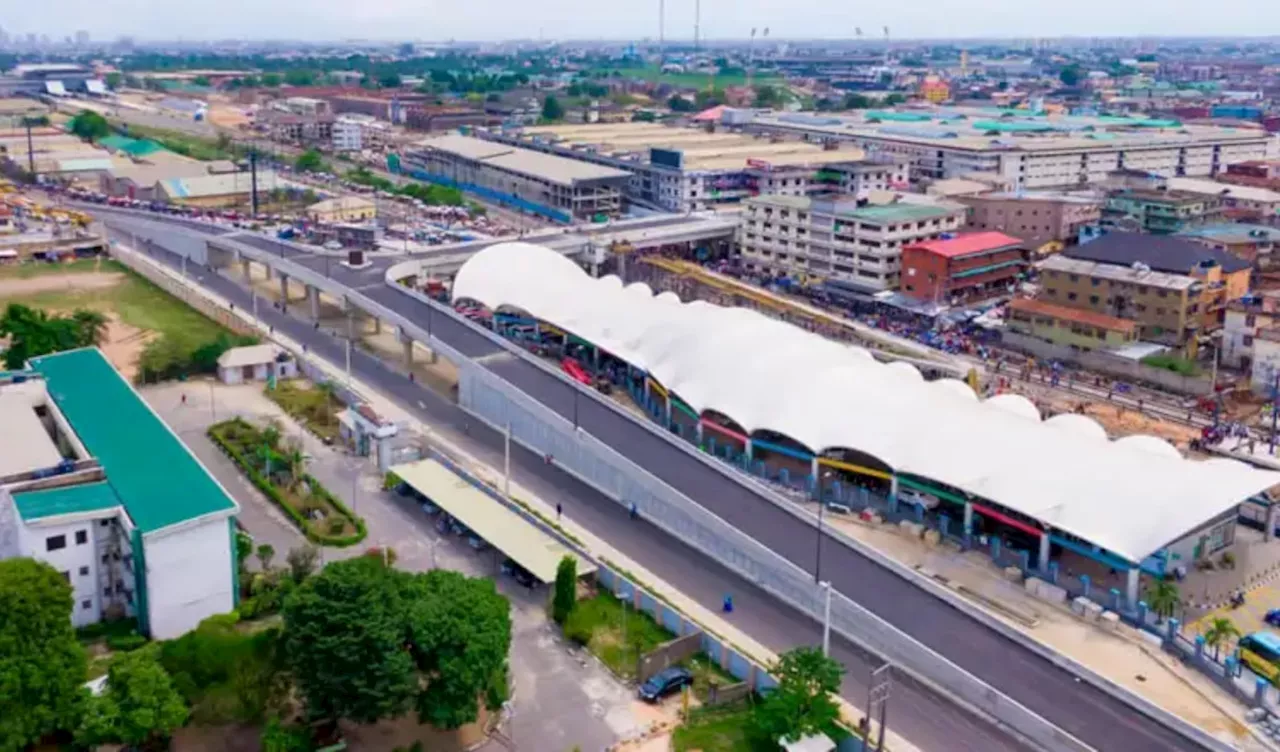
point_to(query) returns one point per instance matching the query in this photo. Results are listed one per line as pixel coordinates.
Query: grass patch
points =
(315, 407)
(102, 630)
(321, 516)
(40, 268)
(1173, 363)
(598, 623)
(186, 144)
(707, 672)
(714, 729)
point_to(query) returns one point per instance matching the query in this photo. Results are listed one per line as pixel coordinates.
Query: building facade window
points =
(82, 537)
(55, 542)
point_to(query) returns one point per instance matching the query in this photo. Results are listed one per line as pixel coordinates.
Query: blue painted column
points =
(817, 479)
(1260, 689)
(1043, 563)
(746, 449)
(1131, 585)
(968, 521)
(893, 490)
(1087, 583)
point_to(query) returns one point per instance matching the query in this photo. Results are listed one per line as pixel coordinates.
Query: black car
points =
(665, 682)
(519, 574)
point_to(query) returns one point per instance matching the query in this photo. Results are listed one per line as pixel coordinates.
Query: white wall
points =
(72, 559)
(189, 577)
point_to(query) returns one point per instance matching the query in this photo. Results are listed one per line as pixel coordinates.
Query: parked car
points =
(665, 682)
(519, 574)
(430, 508)
(476, 542)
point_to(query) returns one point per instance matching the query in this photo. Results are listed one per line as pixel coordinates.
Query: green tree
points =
(90, 125)
(678, 103)
(857, 102)
(389, 81)
(33, 332)
(1220, 632)
(802, 702)
(768, 96)
(1163, 598)
(310, 161)
(201, 81)
(365, 641)
(1071, 75)
(302, 561)
(344, 633)
(552, 110)
(271, 80)
(300, 77)
(894, 99)
(566, 591)
(139, 707)
(113, 80)
(42, 667)
(459, 635)
(265, 553)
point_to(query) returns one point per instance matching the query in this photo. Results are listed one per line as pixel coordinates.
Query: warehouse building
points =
(1030, 150)
(836, 237)
(693, 169)
(216, 191)
(555, 187)
(93, 483)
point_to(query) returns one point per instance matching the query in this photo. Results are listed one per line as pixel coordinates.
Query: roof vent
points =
(1140, 267)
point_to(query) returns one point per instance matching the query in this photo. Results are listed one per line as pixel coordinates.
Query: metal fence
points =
(541, 430)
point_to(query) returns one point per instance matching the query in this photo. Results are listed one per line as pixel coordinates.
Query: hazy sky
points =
(437, 20)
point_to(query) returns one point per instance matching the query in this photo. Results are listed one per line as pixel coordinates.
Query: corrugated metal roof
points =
(972, 242)
(55, 502)
(153, 473)
(502, 528)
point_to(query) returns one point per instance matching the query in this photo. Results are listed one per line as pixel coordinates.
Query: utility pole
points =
(253, 180)
(826, 618)
(31, 151)
(662, 33)
(697, 18)
(506, 462)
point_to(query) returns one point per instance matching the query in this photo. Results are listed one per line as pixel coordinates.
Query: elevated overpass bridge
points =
(1083, 711)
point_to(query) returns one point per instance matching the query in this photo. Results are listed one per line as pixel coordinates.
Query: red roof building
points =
(966, 268)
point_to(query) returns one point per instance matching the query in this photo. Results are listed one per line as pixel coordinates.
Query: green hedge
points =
(273, 493)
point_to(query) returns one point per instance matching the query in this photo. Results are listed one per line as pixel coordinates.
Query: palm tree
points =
(271, 435)
(92, 326)
(1221, 631)
(1163, 598)
(329, 392)
(295, 463)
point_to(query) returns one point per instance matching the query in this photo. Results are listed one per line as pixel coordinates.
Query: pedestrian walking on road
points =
(184, 399)
(559, 511)
(634, 513)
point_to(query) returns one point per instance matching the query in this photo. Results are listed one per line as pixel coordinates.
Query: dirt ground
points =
(123, 345)
(23, 287)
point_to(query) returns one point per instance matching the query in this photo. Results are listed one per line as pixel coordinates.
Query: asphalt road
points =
(929, 721)
(1076, 707)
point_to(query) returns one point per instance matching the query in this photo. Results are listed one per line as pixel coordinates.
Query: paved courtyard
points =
(563, 698)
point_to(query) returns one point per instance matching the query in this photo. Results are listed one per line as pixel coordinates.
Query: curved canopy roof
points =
(1131, 497)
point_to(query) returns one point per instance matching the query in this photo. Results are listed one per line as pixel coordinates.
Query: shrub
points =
(578, 630)
(125, 643)
(566, 589)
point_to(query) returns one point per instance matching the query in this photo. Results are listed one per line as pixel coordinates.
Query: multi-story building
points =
(837, 237)
(1240, 326)
(1175, 289)
(443, 118)
(80, 490)
(360, 132)
(1039, 219)
(692, 169)
(1028, 149)
(1247, 200)
(1074, 327)
(289, 128)
(966, 268)
(555, 187)
(1256, 244)
(1161, 211)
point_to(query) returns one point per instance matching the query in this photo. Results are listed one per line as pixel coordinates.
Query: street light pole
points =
(826, 618)
(506, 462)
(817, 566)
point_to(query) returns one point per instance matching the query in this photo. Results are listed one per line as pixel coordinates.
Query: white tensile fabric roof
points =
(1132, 496)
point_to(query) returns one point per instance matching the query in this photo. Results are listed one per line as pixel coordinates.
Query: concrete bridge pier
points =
(246, 269)
(407, 343)
(284, 291)
(313, 298)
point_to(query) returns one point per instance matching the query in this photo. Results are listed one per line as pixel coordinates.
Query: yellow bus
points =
(1260, 651)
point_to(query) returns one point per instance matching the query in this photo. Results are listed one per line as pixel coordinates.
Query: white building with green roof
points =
(95, 484)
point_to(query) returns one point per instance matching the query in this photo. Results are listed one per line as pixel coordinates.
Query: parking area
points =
(562, 697)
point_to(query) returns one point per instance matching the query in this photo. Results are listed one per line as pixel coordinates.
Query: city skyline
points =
(495, 20)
